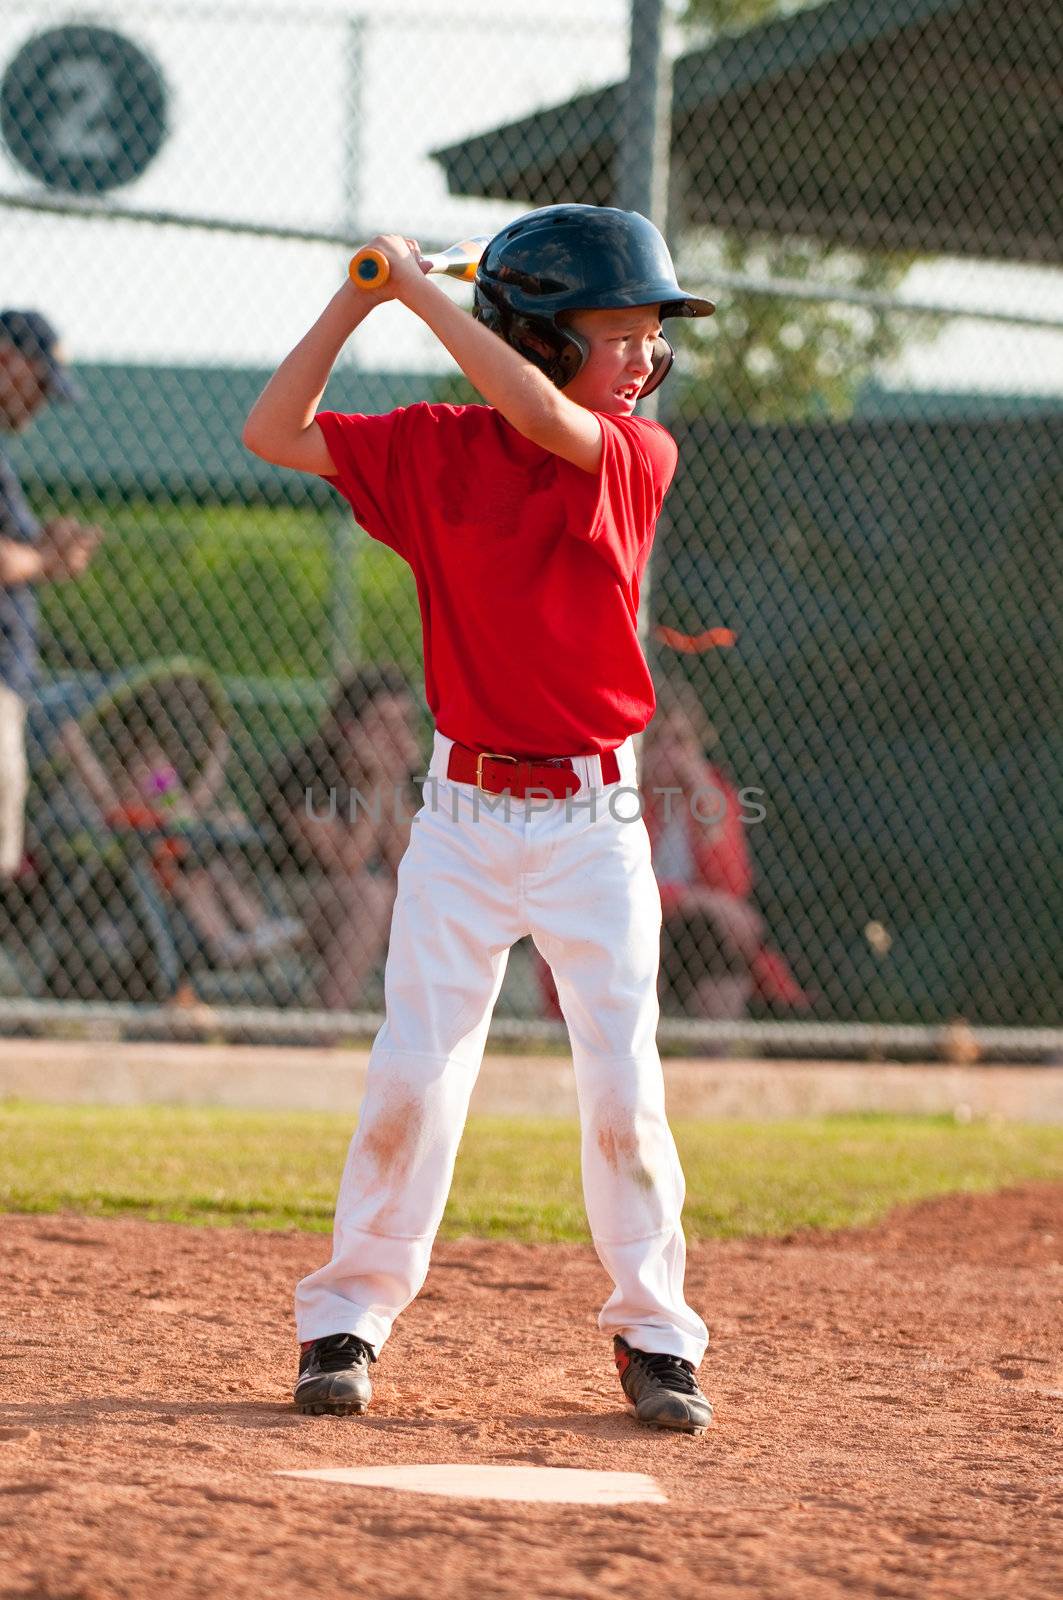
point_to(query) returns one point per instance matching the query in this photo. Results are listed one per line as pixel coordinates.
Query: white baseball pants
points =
(479, 874)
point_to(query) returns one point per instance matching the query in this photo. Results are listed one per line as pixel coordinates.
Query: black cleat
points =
(662, 1389)
(334, 1376)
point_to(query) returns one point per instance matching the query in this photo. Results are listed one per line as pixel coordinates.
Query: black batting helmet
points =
(576, 258)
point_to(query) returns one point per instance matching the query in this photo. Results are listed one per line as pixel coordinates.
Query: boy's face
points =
(621, 357)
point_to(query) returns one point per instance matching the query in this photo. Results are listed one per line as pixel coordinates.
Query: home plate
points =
(559, 1485)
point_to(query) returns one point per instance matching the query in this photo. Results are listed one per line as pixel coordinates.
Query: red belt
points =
(497, 774)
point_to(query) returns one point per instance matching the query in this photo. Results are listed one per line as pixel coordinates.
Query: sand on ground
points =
(888, 1419)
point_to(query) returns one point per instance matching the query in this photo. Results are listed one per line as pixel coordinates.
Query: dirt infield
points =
(888, 1419)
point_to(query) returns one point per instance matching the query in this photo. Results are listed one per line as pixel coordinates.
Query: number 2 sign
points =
(82, 109)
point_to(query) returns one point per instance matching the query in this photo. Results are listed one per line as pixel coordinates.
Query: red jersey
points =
(527, 568)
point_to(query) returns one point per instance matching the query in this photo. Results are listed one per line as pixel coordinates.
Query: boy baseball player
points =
(527, 523)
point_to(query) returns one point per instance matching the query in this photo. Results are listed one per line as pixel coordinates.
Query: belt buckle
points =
(489, 755)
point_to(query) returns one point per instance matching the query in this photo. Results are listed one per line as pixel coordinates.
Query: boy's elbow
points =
(262, 436)
(253, 438)
(303, 451)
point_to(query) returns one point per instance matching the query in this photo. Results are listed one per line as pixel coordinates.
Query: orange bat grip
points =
(369, 269)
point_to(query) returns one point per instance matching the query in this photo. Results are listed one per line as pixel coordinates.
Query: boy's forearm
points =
(289, 402)
(524, 395)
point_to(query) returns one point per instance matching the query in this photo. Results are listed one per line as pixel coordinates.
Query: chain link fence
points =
(852, 611)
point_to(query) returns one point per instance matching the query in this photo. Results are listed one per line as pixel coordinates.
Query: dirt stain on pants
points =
(390, 1142)
(618, 1142)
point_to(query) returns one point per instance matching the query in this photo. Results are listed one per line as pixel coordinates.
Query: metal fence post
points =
(646, 109)
(344, 596)
(644, 157)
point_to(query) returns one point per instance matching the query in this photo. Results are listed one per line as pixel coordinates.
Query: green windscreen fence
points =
(892, 689)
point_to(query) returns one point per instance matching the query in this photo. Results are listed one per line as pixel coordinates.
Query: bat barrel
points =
(370, 268)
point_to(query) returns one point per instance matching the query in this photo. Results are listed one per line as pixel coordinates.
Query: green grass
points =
(515, 1179)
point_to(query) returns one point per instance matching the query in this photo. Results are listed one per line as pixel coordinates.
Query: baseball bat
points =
(370, 269)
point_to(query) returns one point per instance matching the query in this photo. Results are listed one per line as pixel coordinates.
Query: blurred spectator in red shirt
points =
(714, 957)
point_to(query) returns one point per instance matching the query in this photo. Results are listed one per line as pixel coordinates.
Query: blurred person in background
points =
(714, 957)
(336, 823)
(159, 773)
(32, 373)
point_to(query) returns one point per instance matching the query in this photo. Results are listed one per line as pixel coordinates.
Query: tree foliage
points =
(767, 357)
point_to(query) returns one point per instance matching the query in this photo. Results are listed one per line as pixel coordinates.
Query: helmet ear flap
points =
(558, 352)
(571, 357)
(663, 356)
